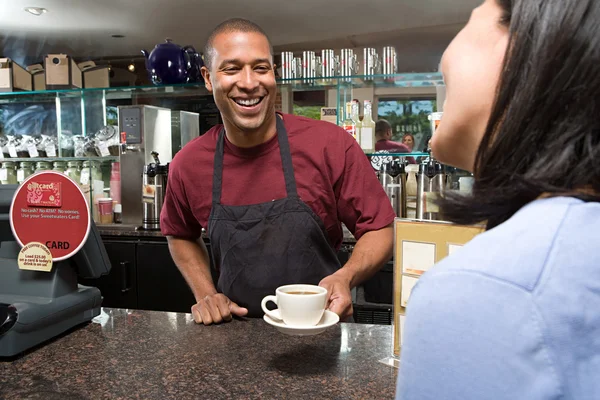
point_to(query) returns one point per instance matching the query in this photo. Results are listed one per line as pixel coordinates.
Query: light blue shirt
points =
(515, 314)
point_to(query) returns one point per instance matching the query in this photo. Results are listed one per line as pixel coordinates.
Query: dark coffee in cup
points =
(301, 292)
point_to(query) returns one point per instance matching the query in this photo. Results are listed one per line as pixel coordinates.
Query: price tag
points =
(103, 149)
(12, 151)
(3, 174)
(20, 175)
(51, 150)
(32, 151)
(85, 176)
(1, 155)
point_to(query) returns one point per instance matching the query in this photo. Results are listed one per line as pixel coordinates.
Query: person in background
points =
(409, 141)
(383, 137)
(272, 191)
(515, 314)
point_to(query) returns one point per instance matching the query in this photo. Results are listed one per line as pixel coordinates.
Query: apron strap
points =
(286, 162)
(286, 159)
(218, 169)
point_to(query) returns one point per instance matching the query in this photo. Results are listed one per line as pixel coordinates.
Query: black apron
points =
(257, 248)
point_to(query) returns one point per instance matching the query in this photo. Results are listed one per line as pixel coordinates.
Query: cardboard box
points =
(62, 72)
(39, 76)
(94, 76)
(13, 77)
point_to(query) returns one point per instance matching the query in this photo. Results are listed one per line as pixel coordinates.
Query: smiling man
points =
(272, 191)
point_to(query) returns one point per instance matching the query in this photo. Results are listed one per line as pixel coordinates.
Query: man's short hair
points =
(381, 127)
(229, 26)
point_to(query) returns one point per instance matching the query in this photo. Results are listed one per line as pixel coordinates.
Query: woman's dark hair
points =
(543, 136)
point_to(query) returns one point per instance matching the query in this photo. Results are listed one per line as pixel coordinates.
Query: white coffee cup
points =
(298, 305)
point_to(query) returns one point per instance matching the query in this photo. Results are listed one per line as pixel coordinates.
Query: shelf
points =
(195, 89)
(397, 154)
(395, 80)
(64, 159)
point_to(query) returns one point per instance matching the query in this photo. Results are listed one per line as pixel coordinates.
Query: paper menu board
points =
(418, 245)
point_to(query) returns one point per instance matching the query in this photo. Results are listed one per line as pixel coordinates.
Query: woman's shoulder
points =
(521, 249)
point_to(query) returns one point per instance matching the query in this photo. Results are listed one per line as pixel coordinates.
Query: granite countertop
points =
(124, 230)
(131, 354)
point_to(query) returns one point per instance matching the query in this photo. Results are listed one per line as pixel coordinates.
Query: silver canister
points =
(371, 62)
(348, 62)
(297, 68)
(287, 61)
(309, 65)
(329, 63)
(431, 183)
(393, 180)
(389, 60)
(318, 63)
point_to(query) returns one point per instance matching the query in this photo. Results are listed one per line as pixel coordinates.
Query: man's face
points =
(242, 79)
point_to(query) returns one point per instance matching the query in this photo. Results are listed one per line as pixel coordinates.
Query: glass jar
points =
(26, 169)
(107, 141)
(95, 171)
(78, 146)
(60, 166)
(43, 166)
(67, 145)
(74, 170)
(89, 148)
(8, 173)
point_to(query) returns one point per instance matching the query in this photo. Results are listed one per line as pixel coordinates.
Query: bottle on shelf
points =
(367, 129)
(356, 119)
(348, 123)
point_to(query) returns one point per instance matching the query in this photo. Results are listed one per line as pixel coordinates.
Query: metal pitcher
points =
(154, 187)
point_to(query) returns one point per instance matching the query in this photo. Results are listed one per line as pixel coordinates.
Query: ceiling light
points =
(117, 36)
(131, 67)
(36, 10)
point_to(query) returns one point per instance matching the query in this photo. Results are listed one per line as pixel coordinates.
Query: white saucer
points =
(329, 319)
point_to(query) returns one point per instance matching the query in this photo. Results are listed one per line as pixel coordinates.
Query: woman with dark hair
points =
(515, 314)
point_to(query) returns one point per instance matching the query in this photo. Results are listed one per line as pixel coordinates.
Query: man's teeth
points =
(248, 102)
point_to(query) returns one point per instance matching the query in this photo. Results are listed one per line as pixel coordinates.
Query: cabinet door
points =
(161, 287)
(118, 288)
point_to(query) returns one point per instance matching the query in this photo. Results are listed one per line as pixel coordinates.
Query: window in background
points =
(408, 116)
(308, 104)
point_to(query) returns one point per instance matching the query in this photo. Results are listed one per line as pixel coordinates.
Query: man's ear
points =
(206, 75)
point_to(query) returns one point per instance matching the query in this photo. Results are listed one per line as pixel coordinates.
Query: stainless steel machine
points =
(146, 131)
(185, 126)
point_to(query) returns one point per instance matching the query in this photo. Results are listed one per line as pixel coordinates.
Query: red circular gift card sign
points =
(51, 209)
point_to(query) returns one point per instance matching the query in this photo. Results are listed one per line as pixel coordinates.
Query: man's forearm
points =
(370, 253)
(191, 257)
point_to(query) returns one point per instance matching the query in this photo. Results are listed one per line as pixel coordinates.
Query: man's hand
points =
(215, 309)
(340, 297)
